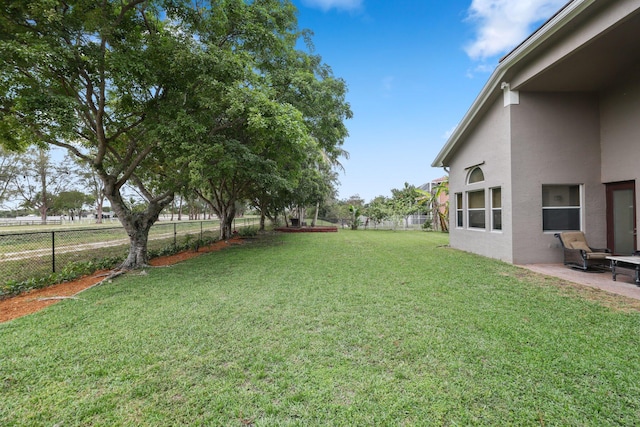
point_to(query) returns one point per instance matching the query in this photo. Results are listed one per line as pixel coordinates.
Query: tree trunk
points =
(262, 221)
(99, 211)
(226, 228)
(136, 224)
(43, 214)
(227, 215)
(138, 256)
(315, 216)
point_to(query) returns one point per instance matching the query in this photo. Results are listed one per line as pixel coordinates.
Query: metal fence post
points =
(175, 235)
(53, 251)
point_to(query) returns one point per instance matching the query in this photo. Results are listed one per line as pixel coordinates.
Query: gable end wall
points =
(487, 143)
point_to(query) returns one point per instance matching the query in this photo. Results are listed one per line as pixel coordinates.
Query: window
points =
(496, 208)
(459, 211)
(476, 175)
(561, 207)
(475, 209)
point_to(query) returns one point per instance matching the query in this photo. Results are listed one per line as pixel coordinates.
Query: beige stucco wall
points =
(620, 133)
(487, 143)
(555, 140)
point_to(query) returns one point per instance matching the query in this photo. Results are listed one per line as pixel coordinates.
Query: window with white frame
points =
(459, 211)
(475, 209)
(561, 207)
(496, 208)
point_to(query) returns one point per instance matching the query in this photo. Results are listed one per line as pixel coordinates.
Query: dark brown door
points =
(621, 217)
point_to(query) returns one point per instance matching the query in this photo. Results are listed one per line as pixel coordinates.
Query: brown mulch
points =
(37, 299)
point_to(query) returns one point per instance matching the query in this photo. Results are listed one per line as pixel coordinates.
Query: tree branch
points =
(72, 149)
(128, 171)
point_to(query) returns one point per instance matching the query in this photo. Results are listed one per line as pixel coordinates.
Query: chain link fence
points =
(33, 255)
(412, 222)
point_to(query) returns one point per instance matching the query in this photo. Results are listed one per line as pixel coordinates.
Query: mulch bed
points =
(37, 299)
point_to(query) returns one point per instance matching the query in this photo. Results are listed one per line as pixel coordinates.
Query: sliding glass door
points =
(621, 217)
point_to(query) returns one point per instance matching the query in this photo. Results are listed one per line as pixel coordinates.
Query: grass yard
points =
(350, 328)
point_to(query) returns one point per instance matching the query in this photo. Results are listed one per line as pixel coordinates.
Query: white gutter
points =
(555, 23)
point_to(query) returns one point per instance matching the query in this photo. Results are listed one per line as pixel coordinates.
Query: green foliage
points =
(69, 272)
(193, 243)
(441, 209)
(355, 217)
(174, 96)
(247, 232)
(407, 201)
(379, 209)
(71, 201)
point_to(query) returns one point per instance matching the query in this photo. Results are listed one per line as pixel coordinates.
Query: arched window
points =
(475, 175)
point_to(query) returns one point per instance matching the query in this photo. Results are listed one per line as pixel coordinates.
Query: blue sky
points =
(413, 68)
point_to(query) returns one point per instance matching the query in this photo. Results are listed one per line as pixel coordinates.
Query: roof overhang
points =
(493, 88)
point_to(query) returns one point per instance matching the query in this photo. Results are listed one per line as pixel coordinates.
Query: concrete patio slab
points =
(624, 285)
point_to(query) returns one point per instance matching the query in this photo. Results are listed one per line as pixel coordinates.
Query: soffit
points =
(595, 65)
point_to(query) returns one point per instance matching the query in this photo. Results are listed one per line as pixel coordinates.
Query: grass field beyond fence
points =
(31, 259)
(351, 328)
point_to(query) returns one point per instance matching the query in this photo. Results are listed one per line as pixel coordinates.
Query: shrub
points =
(248, 232)
(69, 272)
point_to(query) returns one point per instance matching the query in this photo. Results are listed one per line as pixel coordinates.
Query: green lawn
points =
(351, 328)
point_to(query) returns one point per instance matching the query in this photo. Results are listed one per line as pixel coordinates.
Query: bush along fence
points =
(37, 259)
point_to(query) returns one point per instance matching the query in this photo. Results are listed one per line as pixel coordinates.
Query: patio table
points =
(625, 263)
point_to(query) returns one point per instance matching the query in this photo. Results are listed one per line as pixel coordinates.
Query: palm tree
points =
(330, 159)
(439, 209)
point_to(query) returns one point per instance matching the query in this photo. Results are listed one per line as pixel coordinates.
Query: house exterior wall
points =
(620, 134)
(574, 89)
(488, 145)
(555, 139)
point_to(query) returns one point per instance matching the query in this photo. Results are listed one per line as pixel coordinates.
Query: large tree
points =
(97, 78)
(378, 209)
(39, 180)
(72, 203)
(256, 155)
(136, 87)
(280, 108)
(407, 201)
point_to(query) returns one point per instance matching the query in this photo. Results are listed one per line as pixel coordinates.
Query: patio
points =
(624, 285)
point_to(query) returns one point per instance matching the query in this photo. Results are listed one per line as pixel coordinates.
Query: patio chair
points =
(578, 253)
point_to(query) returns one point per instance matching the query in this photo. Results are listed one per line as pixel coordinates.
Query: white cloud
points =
(503, 24)
(334, 4)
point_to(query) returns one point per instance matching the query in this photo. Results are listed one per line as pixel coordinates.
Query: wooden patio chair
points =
(578, 253)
